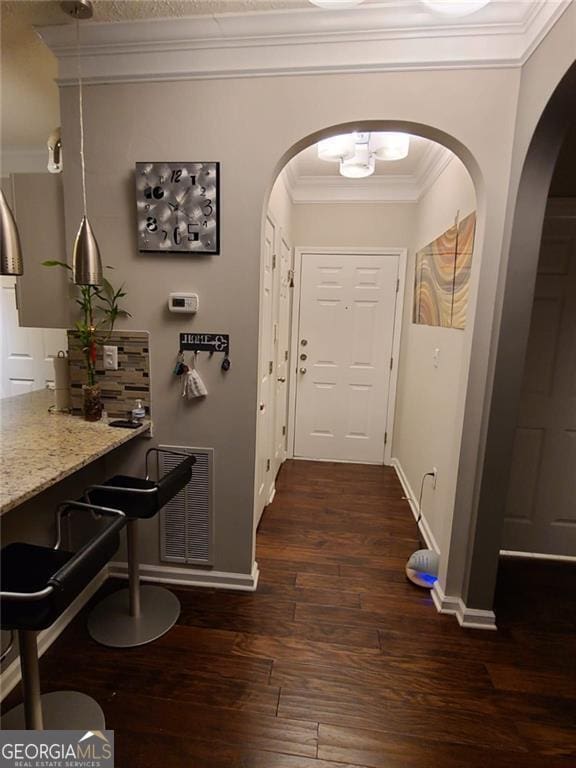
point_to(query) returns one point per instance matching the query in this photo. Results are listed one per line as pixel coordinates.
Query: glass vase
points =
(92, 402)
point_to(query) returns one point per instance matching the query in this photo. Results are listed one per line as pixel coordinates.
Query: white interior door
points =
(541, 505)
(264, 475)
(282, 328)
(345, 343)
(25, 353)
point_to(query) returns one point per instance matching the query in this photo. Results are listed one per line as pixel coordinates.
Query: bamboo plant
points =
(100, 307)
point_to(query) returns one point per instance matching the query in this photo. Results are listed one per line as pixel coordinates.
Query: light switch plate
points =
(110, 358)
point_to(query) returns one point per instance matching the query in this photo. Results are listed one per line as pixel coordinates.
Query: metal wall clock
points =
(178, 207)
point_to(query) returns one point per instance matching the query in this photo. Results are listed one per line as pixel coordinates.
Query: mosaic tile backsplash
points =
(121, 388)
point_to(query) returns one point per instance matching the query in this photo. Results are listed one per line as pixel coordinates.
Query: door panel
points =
(282, 346)
(265, 375)
(346, 327)
(540, 509)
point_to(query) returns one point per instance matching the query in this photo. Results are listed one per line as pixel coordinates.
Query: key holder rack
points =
(205, 342)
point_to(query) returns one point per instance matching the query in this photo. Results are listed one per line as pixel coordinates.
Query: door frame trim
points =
(299, 251)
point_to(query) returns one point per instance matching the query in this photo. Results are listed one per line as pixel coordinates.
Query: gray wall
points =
(536, 146)
(252, 126)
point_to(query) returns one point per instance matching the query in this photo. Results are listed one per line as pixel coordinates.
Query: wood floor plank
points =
(363, 710)
(506, 677)
(382, 749)
(240, 729)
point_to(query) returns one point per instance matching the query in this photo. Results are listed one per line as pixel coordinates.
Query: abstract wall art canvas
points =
(442, 277)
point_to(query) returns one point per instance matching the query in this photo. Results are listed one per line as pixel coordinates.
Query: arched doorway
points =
(469, 167)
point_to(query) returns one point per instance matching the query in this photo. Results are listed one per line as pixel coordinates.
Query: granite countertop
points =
(38, 448)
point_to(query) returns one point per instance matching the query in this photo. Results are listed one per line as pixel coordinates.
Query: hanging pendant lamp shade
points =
(86, 261)
(10, 249)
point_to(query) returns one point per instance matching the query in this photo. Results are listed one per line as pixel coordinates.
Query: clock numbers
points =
(154, 192)
(151, 224)
(207, 207)
(193, 236)
(176, 176)
(177, 236)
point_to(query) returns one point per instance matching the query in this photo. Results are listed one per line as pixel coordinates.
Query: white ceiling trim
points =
(389, 188)
(502, 34)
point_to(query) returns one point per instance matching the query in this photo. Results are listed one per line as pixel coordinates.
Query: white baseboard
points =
(424, 527)
(190, 577)
(10, 677)
(473, 618)
(444, 603)
(470, 618)
(537, 556)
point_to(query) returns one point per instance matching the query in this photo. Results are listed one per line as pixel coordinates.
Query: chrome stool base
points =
(61, 710)
(110, 622)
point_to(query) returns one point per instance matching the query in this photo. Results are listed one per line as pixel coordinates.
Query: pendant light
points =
(86, 261)
(10, 249)
(455, 7)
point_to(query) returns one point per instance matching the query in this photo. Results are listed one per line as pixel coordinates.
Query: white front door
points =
(541, 506)
(344, 357)
(25, 353)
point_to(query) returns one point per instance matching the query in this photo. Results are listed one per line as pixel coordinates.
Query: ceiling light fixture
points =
(357, 152)
(337, 148)
(455, 7)
(55, 151)
(362, 165)
(390, 146)
(336, 5)
(10, 249)
(86, 261)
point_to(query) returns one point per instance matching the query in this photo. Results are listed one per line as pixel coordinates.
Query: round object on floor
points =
(110, 622)
(422, 568)
(61, 710)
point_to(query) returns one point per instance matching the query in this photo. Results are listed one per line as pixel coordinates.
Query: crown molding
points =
(303, 41)
(397, 188)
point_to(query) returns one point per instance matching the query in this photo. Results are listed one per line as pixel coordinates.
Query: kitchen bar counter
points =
(38, 448)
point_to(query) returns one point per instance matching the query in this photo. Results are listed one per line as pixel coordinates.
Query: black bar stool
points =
(38, 584)
(138, 615)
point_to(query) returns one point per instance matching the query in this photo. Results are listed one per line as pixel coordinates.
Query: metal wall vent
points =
(186, 522)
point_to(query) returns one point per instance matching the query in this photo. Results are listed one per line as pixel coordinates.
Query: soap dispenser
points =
(139, 412)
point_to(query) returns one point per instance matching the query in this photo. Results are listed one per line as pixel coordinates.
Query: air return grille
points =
(186, 522)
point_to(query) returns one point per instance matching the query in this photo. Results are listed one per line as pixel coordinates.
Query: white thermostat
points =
(183, 302)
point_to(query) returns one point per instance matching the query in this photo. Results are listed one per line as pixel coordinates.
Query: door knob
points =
(282, 379)
(302, 370)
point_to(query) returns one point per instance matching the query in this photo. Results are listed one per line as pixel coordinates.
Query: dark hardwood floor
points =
(337, 660)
